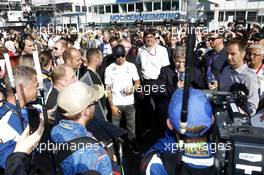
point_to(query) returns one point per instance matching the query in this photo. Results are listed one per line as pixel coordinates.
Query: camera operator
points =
(238, 72)
(191, 155)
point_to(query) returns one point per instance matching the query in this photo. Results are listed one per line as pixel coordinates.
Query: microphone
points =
(239, 88)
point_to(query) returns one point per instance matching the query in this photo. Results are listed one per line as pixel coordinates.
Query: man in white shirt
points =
(151, 58)
(121, 78)
(255, 58)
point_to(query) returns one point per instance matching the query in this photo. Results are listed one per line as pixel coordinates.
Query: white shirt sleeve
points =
(108, 79)
(165, 57)
(134, 72)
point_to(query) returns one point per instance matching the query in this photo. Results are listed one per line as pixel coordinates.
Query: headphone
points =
(21, 43)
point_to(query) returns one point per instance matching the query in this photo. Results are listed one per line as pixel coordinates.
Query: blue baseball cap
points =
(199, 111)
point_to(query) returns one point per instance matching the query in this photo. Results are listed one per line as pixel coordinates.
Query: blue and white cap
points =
(199, 111)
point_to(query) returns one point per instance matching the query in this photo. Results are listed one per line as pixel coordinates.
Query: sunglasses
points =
(213, 39)
(92, 103)
(118, 56)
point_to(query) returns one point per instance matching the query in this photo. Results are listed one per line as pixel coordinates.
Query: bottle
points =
(210, 77)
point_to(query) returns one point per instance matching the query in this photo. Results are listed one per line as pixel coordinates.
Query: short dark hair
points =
(45, 57)
(112, 39)
(90, 53)
(150, 32)
(240, 42)
(22, 40)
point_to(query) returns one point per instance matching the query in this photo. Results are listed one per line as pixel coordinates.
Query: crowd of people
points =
(137, 78)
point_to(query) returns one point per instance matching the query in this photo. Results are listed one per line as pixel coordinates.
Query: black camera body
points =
(246, 153)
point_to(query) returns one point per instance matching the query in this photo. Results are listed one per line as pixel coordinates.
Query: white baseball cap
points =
(76, 97)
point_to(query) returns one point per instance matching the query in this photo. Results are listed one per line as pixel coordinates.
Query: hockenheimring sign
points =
(146, 16)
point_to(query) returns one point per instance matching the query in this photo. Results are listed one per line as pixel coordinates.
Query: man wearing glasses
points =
(151, 58)
(57, 51)
(216, 59)
(121, 80)
(255, 58)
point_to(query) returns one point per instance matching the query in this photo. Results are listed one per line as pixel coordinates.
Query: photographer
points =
(192, 155)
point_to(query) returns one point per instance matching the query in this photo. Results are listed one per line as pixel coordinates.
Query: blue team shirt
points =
(194, 158)
(11, 129)
(94, 157)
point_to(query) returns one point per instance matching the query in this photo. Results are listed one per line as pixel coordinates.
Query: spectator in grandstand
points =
(77, 104)
(190, 155)
(26, 90)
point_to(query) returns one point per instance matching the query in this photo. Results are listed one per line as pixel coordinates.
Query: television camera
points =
(245, 155)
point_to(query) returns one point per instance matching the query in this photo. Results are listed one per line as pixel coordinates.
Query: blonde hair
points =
(26, 60)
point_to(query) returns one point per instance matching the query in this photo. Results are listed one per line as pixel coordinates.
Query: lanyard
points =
(213, 57)
(259, 69)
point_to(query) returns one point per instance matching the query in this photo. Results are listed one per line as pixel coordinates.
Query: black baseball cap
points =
(257, 36)
(119, 50)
